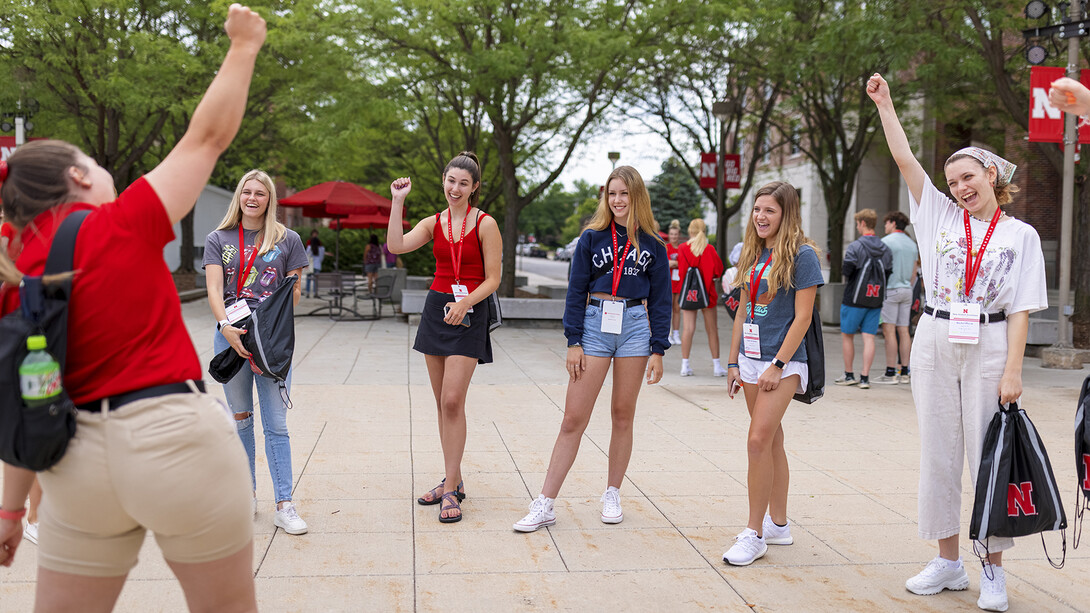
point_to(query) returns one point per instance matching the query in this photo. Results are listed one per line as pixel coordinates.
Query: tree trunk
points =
(1080, 268)
(512, 206)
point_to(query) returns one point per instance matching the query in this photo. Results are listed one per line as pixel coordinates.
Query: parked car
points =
(566, 252)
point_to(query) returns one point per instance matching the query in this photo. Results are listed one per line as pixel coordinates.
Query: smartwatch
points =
(222, 323)
(778, 363)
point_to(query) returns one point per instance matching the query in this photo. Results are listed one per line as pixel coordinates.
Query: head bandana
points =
(1004, 169)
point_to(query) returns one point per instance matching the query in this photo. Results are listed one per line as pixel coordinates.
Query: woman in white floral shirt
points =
(984, 273)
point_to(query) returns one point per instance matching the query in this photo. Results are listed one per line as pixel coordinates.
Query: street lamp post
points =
(613, 157)
(722, 111)
(24, 110)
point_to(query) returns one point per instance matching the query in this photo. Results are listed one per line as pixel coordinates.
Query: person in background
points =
(982, 262)
(315, 253)
(372, 260)
(853, 317)
(245, 259)
(897, 307)
(697, 253)
(389, 256)
(151, 450)
(673, 236)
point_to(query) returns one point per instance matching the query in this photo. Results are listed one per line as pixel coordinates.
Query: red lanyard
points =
(618, 262)
(244, 271)
(755, 286)
(972, 265)
(456, 261)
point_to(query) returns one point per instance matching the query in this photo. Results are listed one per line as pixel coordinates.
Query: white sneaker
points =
(540, 515)
(611, 506)
(686, 371)
(747, 548)
(776, 535)
(939, 575)
(887, 380)
(675, 338)
(288, 519)
(993, 592)
(30, 533)
(720, 371)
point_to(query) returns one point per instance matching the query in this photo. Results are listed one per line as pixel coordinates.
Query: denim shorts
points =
(633, 341)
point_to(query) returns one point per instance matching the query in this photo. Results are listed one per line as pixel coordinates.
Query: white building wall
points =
(209, 209)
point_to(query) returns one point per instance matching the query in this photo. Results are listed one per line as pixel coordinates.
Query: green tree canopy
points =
(674, 195)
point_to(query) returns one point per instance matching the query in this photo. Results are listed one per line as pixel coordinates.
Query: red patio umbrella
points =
(337, 199)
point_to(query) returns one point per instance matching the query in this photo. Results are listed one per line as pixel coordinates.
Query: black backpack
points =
(36, 438)
(694, 294)
(869, 289)
(815, 361)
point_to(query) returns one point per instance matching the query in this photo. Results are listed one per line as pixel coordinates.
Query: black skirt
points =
(436, 337)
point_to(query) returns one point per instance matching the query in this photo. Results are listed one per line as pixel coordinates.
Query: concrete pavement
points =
(365, 444)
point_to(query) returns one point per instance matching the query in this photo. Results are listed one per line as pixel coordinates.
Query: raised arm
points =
(910, 167)
(397, 240)
(179, 179)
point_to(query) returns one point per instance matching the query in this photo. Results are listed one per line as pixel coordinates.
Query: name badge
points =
(460, 291)
(751, 341)
(965, 323)
(612, 313)
(238, 311)
(675, 275)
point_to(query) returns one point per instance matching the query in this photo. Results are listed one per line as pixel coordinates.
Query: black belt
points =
(984, 317)
(630, 302)
(120, 400)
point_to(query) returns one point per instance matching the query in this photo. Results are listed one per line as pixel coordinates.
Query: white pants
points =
(956, 391)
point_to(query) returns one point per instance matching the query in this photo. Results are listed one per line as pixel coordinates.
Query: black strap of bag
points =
(492, 303)
(60, 260)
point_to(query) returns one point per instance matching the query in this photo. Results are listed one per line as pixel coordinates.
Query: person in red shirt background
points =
(151, 451)
(696, 252)
(673, 237)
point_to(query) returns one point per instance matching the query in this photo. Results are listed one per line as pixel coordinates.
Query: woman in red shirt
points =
(699, 254)
(673, 236)
(453, 331)
(150, 451)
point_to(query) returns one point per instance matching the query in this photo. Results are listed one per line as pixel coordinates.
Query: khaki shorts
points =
(173, 465)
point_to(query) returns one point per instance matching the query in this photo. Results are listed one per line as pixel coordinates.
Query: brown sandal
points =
(450, 502)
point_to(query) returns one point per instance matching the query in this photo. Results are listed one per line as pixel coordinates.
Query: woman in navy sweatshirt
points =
(618, 310)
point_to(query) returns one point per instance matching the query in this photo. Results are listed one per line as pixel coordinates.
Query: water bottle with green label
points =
(39, 374)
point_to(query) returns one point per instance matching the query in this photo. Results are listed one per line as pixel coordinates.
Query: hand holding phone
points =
(465, 319)
(734, 387)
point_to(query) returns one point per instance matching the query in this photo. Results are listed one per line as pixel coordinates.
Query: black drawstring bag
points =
(36, 438)
(694, 296)
(815, 361)
(270, 339)
(1082, 459)
(732, 300)
(1016, 493)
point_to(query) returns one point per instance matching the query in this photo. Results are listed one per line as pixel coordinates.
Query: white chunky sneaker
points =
(993, 592)
(887, 380)
(686, 371)
(720, 371)
(540, 515)
(611, 506)
(288, 519)
(747, 548)
(939, 575)
(675, 338)
(776, 535)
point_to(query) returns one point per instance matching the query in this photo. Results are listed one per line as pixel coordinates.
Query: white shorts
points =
(750, 370)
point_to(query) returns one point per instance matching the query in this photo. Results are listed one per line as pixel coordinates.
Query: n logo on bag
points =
(1020, 498)
(1086, 471)
(732, 304)
(874, 291)
(691, 296)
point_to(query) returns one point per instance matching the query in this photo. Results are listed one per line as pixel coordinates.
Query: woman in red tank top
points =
(453, 331)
